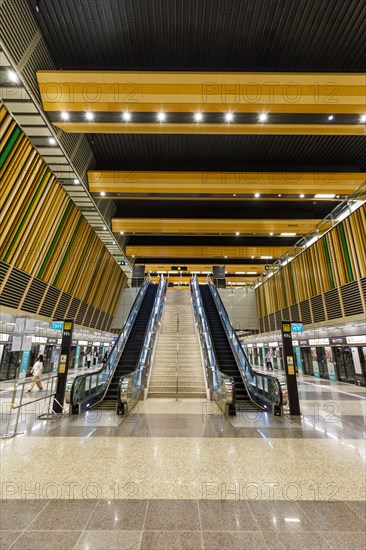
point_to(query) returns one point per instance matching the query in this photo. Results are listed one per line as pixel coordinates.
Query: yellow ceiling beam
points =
(211, 226)
(183, 183)
(211, 92)
(213, 129)
(211, 252)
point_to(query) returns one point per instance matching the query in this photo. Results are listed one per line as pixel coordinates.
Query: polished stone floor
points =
(183, 475)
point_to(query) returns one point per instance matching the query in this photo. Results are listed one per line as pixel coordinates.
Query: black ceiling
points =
(235, 152)
(257, 35)
(253, 209)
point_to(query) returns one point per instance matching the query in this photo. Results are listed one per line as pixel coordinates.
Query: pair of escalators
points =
(108, 392)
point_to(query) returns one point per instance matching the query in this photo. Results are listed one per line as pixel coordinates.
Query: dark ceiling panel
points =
(202, 240)
(232, 153)
(260, 35)
(254, 209)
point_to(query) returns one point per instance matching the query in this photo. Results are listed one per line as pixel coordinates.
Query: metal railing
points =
(90, 388)
(221, 386)
(263, 389)
(17, 403)
(132, 385)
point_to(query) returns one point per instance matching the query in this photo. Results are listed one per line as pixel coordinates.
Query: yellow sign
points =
(291, 369)
(62, 368)
(287, 328)
(290, 360)
(67, 326)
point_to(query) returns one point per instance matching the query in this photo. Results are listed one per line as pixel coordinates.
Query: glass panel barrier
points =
(263, 389)
(88, 389)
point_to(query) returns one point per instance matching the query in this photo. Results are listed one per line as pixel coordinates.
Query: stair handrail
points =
(104, 375)
(263, 389)
(213, 373)
(139, 375)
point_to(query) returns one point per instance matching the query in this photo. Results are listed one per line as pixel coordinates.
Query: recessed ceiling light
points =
(234, 194)
(121, 233)
(89, 115)
(229, 117)
(280, 195)
(161, 116)
(102, 194)
(65, 115)
(287, 234)
(302, 196)
(237, 233)
(251, 273)
(257, 195)
(330, 117)
(51, 141)
(363, 118)
(252, 257)
(271, 233)
(126, 116)
(266, 257)
(198, 117)
(324, 196)
(239, 272)
(225, 257)
(263, 117)
(76, 181)
(133, 255)
(12, 75)
(104, 227)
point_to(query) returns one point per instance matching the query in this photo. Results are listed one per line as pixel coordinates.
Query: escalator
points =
(132, 350)
(224, 354)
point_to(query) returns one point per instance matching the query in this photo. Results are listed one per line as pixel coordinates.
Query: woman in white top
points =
(37, 371)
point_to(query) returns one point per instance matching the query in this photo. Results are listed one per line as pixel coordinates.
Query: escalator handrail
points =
(244, 366)
(113, 357)
(155, 315)
(206, 336)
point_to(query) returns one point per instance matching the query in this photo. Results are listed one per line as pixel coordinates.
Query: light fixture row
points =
(161, 116)
(257, 195)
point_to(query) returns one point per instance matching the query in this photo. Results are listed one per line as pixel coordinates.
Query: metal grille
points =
(278, 315)
(3, 271)
(286, 314)
(333, 304)
(101, 320)
(351, 299)
(295, 314)
(305, 312)
(272, 322)
(363, 287)
(14, 288)
(266, 323)
(81, 313)
(261, 324)
(88, 316)
(317, 307)
(73, 308)
(34, 296)
(62, 306)
(94, 321)
(49, 302)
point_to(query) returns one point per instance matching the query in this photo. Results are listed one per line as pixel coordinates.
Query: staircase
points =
(223, 351)
(177, 342)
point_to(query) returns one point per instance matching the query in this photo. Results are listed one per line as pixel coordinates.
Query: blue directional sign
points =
(297, 327)
(57, 325)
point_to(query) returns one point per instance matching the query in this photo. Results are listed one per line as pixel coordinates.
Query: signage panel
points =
(289, 364)
(57, 325)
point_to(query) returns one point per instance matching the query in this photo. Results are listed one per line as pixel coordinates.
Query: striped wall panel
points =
(46, 243)
(325, 281)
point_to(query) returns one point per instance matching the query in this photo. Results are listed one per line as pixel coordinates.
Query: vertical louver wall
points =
(52, 262)
(325, 282)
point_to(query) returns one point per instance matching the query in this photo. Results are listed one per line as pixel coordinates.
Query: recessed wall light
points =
(263, 117)
(229, 117)
(12, 75)
(89, 115)
(161, 116)
(126, 116)
(198, 117)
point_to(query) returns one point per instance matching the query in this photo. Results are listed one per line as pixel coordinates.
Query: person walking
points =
(37, 371)
(89, 359)
(269, 360)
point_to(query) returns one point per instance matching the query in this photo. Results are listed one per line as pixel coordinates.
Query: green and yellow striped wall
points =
(336, 262)
(44, 235)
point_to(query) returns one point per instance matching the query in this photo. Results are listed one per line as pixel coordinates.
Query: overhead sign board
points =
(297, 327)
(57, 325)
